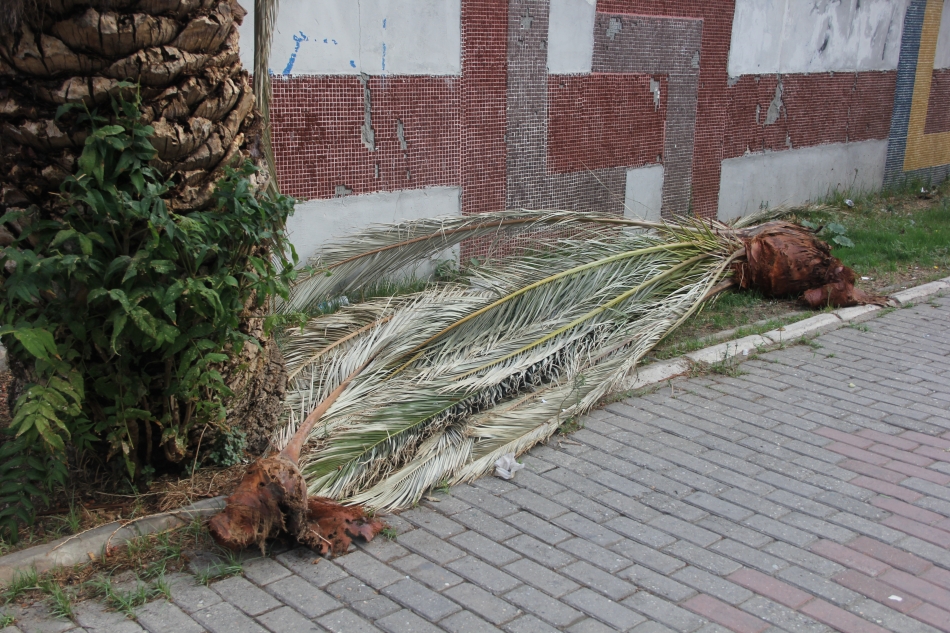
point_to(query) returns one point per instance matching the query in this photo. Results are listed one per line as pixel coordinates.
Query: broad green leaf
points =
(37, 342)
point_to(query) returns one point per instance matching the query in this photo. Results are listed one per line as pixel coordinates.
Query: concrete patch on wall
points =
(942, 58)
(644, 196)
(376, 37)
(317, 222)
(790, 36)
(756, 37)
(571, 36)
(795, 176)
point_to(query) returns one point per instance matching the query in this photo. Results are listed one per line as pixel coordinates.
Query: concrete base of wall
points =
(318, 222)
(795, 176)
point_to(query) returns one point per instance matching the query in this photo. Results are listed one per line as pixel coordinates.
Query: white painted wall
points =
(798, 175)
(317, 222)
(644, 195)
(571, 36)
(798, 36)
(942, 59)
(376, 37)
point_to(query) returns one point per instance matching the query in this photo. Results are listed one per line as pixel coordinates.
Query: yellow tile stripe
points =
(925, 150)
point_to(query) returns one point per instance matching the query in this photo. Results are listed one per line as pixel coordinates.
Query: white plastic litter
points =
(895, 598)
(849, 202)
(506, 466)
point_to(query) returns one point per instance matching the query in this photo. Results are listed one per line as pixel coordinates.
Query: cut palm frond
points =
(391, 397)
(561, 320)
(381, 251)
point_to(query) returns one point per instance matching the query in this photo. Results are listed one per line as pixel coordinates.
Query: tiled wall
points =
(651, 87)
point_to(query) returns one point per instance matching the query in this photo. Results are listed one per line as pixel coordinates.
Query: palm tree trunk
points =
(183, 57)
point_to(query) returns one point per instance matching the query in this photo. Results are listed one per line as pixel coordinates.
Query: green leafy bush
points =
(123, 311)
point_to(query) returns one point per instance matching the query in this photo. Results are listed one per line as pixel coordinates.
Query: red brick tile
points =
(838, 618)
(944, 525)
(849, 557)
(904, 456)
(937, 576)
(923, 589)
(927, 440)
(928, 533)
(877, 591)
(916, 471)
(886, 488)
(890, 555)
(847, 438)
(892, 440)
(939, 454)
(724, 614)
(905, 509)
(938, 114)
(878, 472)
(933, 616)
(857, 453)
(770, 587)
(604, 120)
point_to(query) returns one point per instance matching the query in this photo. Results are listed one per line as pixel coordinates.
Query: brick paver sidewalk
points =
(809, 494)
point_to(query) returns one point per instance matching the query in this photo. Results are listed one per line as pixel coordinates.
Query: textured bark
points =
(184, 55)
(783, 259)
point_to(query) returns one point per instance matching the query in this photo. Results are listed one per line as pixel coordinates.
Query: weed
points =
(163, 587)
(443, 487)
(60, 604)
(810, 342)
(726, 367)
(860, 327)
(72, 522)
(6, 620)
(389, 532)
(23, 581)
(831, 355)
(124, 602)
(168, 549)
(570, 425)
(228, 448)
(230, 565)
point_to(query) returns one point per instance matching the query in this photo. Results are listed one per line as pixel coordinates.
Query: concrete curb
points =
(87, 546)
(90, 545)
(739, 348)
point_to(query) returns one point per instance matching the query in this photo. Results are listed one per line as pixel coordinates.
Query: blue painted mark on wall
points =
(353, 63)
(384, 47)
(293, 56)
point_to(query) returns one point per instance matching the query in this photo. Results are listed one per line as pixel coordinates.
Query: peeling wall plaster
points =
(376, 37)
(798, 36)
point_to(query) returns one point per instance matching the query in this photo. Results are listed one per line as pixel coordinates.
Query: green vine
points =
(124, 312)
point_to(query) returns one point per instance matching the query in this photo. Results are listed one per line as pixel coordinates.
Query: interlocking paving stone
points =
(423, 601)
(604, 609)
(778, 500)
(225, 618)
(541, 577)
(345, 621)
(302, 596)
(246, 596)
(482, 603)
(262, 571)
(160, 616)
(287, 620)
(555, 612)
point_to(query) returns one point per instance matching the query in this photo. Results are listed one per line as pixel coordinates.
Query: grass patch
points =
(901, 237)
(740, 314)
